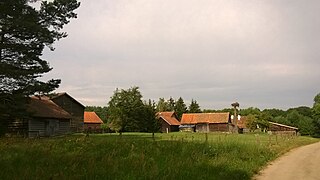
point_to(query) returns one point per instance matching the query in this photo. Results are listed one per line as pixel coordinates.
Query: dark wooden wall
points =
(74, 108)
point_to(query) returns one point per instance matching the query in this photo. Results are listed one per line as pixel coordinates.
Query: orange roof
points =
(194, 118)
(242, 122)
(45, 108)
(169, 117)
(92, 117)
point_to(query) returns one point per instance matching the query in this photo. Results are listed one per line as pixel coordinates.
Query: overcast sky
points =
(261, 53)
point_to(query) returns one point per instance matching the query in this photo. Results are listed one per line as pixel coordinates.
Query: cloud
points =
(262, 53)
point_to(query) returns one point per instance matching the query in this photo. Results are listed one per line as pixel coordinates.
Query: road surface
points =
(302, 163)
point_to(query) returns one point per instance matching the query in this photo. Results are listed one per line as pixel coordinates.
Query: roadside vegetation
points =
(139, 156)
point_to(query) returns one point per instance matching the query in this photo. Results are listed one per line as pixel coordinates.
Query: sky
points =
(263, 54)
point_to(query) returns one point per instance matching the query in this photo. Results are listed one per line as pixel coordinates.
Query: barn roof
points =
(92, 117)
(57, 95)
(283, 125)
(45, 108)
(242, 122)
(194, 118)
(169, 117)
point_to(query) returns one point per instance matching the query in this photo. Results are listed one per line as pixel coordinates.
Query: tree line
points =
(126, 111)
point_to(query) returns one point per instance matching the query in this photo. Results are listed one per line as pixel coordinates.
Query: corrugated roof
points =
(194, 118)
(92, 117)
(169, 117)
(283, 125)
(45, 108)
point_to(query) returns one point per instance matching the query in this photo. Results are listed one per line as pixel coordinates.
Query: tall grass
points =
(139, 156)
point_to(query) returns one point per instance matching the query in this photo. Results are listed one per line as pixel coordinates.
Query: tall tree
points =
(180, 108)
(171, 103)
(127, 112)
(194, 107)
(316, 114)
(162, 105)
(24, 33)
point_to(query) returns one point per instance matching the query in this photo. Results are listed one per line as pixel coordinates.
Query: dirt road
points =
(301, 163)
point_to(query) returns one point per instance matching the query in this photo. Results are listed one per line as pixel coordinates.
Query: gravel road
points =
(301, 163)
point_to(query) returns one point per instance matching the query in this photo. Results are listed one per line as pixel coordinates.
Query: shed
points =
(73, 107)
(48, 119)
(282, 128)
(208, 122)
(92, 121)
(169, 122)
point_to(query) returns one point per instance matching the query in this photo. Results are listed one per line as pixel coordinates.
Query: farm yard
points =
(139, 156)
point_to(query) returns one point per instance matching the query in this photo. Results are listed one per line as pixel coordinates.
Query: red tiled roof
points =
(92, 117)
(45, 108)
(169, 117)
(242, 122)
(194, 118)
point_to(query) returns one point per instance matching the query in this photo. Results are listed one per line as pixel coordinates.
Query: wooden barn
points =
(73, 107)
(92, 122)
(208, 122)
(278, 128)
(169, 122)
(47, 119)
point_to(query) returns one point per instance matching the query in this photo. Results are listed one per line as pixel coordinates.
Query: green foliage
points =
(127, 112)
(24, 33)
(251, 122)
(171, 104)
(263, 121)
(316, 99)
(316, 114)
(194, 107)
(180, 108)
(250, 110)
(302, 110)
(162, 105)
(275, 112)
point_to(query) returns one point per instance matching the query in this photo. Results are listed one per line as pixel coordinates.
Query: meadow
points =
(139, 156)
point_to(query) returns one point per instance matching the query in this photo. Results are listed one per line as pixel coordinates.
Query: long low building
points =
(207, 122)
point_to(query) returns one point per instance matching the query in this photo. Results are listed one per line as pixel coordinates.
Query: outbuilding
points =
(208, 122)
(92, 122)
(169, 122)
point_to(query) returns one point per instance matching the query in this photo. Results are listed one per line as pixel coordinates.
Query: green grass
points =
(138, 156)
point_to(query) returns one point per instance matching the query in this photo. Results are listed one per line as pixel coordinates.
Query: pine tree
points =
(194, 107)
(180, 108)
(24, 33)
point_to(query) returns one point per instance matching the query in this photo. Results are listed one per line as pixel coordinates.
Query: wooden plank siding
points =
(74, 108)
(48, 127)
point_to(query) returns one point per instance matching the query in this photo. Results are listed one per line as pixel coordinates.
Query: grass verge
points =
(138, 156)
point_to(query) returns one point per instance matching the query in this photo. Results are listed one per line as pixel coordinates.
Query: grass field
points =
(139, 156)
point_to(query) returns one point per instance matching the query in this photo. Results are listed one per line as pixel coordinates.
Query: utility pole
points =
(235, 105)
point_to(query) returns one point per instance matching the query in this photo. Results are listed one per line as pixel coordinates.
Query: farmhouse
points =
(92, 122)
(169, 122)
(73, 107)
(207, 122)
